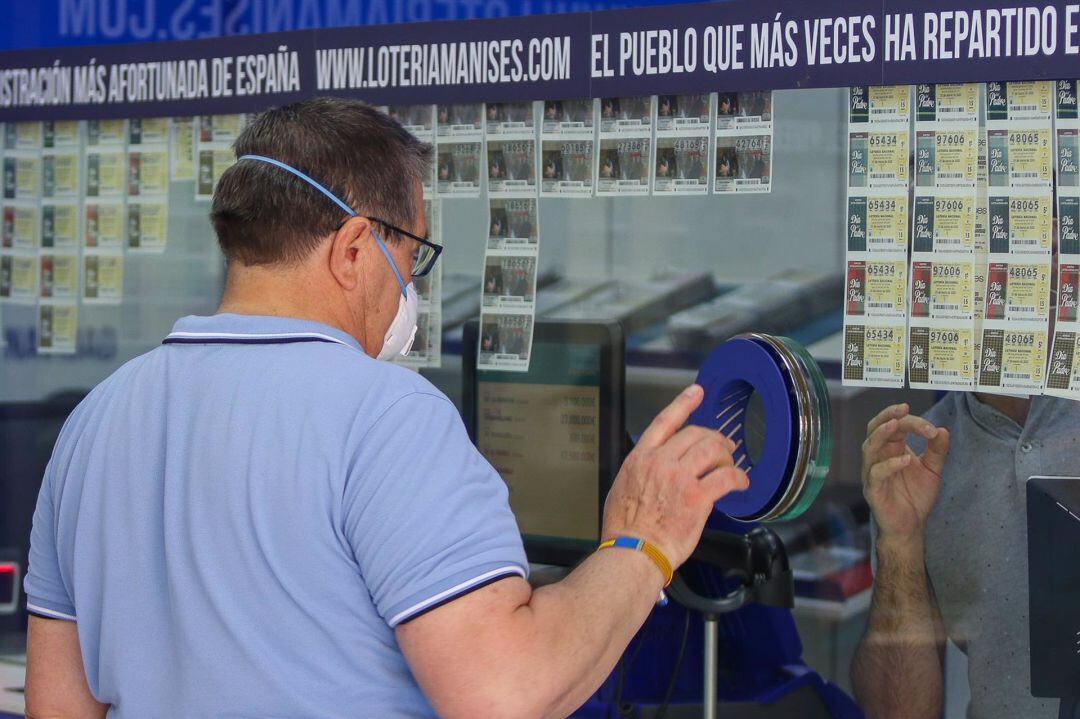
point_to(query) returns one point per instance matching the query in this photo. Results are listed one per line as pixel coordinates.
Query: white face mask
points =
(402, 331)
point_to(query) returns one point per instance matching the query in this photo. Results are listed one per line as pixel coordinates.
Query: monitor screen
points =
(541, 431)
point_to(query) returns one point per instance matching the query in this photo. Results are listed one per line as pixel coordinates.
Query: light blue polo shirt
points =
(238, 519)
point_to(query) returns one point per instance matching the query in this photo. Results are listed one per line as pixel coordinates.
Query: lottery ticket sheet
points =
(1020, 173)
(508, 293)
(1063, 367)
(941, 309)
(877, 231)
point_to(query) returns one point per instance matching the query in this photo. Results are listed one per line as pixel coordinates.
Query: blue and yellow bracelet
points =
(649, 550)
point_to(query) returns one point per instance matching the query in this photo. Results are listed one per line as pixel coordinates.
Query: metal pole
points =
(711, 659)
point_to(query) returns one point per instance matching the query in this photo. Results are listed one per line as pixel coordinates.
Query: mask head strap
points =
(337, 201)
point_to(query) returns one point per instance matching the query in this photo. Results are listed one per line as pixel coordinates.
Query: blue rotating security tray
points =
(794, 457)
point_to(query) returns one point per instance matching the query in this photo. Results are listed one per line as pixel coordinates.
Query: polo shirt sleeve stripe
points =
(47, 613)
(455, 592)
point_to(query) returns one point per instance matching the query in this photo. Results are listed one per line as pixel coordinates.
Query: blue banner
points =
(685, 48)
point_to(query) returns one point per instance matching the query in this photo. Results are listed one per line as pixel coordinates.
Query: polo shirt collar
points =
(991, 419)
(254, 329)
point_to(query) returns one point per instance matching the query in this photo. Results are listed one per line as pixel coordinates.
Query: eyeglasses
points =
(425, 256)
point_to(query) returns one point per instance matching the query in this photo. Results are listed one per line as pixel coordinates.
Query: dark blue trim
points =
(459, 595)
(39, 615)
(246, 340)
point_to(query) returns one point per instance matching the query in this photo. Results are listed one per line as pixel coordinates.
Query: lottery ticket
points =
(57, 327)
(18, 278)
(148, 172)
(510, 280)
(1018, 292)
(743, 163)
(513, 223)
(104, 223)
(1013, 360)
(212, 163)
(505, 341)
(512, 168)
(60, 173)
(105, 173)
(103, 278)
(460, 121)
(981, 250)
(1063, 370)
(681, 165)
(744, 110)
(1020, 222)
(942, 287)
(147, 225)
(623, 166)
(19, 225)
(22, 175)
(946, 157)
(510, 120)
(23, 136)
(567, 167)
(426, 350)
(106, 133)
(213, 150)
(59, 276)
(220, 128)
(626, 116)
(1013, 101)
(458, 169)
(1020, 155)
(947, 103)
(60, 224)
(871, 105)
(874, 353)
(941, 355)
(60, 133)
(876, 157)
(148, 131)
(1068, 157)
(876, 287)
(567, 118)
(683, 115)
(944, 222)
(877, 221)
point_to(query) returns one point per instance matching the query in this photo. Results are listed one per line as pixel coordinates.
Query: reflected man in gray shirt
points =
(947, 492)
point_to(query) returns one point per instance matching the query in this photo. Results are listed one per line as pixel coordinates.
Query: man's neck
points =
(272, 293)
(1015, 408)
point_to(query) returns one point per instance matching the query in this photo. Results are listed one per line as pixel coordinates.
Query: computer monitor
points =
(1053, 509)
(556, 433)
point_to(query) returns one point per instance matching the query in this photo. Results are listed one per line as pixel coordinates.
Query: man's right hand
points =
(900, 486)
(668, 485)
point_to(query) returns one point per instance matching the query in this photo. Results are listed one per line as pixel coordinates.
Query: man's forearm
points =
(596, 611)
(898, 667)
(535, 653)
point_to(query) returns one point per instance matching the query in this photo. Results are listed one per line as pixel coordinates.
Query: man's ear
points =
(348, 247)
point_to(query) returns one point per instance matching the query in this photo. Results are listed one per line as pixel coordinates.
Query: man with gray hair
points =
(260, 519)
